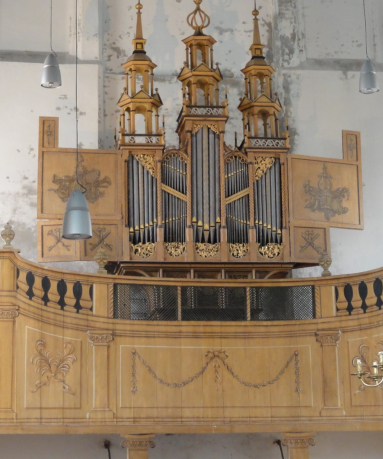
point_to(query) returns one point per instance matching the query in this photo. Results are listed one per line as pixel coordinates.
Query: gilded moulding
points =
(239, 250)
(175, 249)
(207, 250)
(261, 165)
(213, 127)
(143, 250)
(271, 250)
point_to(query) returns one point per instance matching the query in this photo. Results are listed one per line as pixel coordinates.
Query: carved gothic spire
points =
(256, 48)
(139, 41)
(198, 19)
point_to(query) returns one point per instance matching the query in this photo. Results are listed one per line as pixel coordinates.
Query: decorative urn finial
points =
(8, 235)
(198, 19)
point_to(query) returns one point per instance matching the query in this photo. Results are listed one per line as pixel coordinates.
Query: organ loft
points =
(204, 209)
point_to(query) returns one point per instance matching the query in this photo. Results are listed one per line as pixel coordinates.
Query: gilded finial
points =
(198, 19)
(257, 47)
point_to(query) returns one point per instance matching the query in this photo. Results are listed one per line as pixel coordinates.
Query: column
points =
(8, 315)
(101, 374)
(138, 445)
(330, 369)
(298, 444)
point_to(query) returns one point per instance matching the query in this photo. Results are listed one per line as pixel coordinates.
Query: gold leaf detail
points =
(239, 250)
(175, 249)
(148, 162)
(143, 250)
(271, 250)
(261, 165)
(213, 127)
(207, 250)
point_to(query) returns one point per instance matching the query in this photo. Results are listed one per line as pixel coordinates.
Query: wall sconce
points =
(368, 83)
(369, 375)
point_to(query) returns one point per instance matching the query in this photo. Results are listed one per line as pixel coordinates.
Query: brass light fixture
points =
(77, 223)
(369, 375)
(368, 83)
(51, 77)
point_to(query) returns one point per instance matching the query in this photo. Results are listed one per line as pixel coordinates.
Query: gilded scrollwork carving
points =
(239, 250)
(217, 358)
(148, 161)
(207, 250)
(50, 368)
(89, 179)
(261, 165)
(271, 250)
(143, 250)
(175, 249)
(213, 127)
(323, 198)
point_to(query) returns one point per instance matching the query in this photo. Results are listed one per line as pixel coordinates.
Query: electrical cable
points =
(107, 446)
(279, 443)
(365, 28)
(51, 40)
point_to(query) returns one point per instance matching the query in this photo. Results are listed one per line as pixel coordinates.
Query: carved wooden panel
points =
(51, 245)
(49, 132)
(107, 235)
(308, 241)
(97, 171)
(52, 370)
(326, 191)
(351, 145)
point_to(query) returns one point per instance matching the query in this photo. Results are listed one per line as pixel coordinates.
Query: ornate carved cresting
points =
(89, 179)
(175, 249)
(323, 198)
(261, 165)
(268, 143)
(8, 314)
(50, 368)
(207, 250)
(239, 250)
(206, 111)
(7, 235)
(216, 358)
(271, 250)
(213, 127)
(143, 250)
(148, 162)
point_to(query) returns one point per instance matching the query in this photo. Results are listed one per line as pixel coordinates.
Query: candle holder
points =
(369, 375)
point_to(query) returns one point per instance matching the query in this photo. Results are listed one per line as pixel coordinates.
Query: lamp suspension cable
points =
(51, 30)
(365, 28)
(51, 77)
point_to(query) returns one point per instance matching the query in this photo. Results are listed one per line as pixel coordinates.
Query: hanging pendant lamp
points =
(77, 223)
(368, 83)
(51, 77)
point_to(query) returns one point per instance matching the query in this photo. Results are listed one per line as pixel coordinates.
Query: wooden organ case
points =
(204, 209)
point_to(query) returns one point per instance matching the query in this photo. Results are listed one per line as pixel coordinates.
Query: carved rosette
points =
(143, 250)
(261, 165)
(100, 339)
(8, 314)
(148, 162)
(239, 250)
(207, 250)
(330, 338)
(175, 249)
(271, 250)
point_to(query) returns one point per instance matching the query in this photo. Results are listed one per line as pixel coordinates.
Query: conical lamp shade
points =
(77, 223)
(51, 73)
(368, 82)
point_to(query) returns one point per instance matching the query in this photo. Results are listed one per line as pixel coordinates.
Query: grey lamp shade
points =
(77, 223)
(51, 73)
(368, 82)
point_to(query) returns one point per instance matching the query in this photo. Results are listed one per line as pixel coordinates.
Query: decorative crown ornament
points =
(7, 235)
(196, 16)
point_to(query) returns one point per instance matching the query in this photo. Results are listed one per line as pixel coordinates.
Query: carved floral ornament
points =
(138, 444)
(271, 250)
(143, 250)
(100, 339)
(205, 250)
(261, 165)
(239, 250)
(148, 161)
(53, 369)
(298, 440)
(175, 249)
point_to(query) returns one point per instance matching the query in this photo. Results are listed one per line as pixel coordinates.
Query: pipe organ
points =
(253, 209)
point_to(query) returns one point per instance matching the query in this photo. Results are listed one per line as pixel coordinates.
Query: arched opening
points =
(139, 81)
(127, 121)
(202, 92)
(199, 56)
(140, 121)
